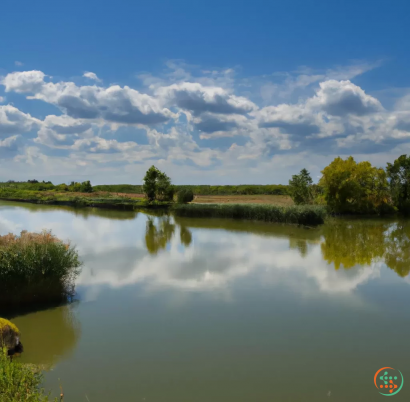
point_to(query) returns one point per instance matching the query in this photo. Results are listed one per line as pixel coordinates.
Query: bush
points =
(36, 268)
(9, 334)
(185, 196)
(304, 215)
(20, 382)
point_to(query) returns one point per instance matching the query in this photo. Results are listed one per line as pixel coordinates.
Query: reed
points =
(297, 214)
(36, 267)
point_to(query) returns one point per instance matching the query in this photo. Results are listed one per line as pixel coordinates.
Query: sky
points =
(215, 92)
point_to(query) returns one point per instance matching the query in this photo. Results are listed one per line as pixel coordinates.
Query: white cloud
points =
(13, 121)
(91, 76)
(202, 122)
(113, 104)
(18, 63)
(198, 99)
(2, 99)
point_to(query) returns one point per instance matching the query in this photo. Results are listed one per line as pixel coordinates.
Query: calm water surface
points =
(196, 310)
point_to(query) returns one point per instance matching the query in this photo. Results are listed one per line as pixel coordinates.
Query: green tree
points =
(399, 175)
(86, 187)
(301, 188)
(351, 187)
(157, 185)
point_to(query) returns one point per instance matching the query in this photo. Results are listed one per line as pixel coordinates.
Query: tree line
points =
(350, 187)
(35, 185)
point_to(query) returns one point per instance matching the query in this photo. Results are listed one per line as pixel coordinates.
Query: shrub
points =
(9, 334)
(20, 382)
(184, 196)
(36, 268)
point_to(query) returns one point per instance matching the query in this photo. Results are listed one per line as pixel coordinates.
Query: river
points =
(207, 310)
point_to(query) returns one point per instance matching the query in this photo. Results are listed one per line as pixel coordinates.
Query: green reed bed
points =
(20, 382)
(36, 268)
(297, 214)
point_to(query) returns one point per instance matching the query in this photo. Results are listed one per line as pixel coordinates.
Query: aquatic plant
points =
(299, 214)
(36, 267)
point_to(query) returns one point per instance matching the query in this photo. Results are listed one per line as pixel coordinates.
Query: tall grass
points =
(299, 214)
(20, 382)
(36, 267)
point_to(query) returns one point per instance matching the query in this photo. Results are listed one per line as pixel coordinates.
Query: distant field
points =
(282, 200)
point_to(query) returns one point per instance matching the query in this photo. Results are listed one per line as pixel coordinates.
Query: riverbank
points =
(96, 199)
(296, 214)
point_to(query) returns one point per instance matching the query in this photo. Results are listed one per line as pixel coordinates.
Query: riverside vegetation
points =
(20, 382)
(346, 187)
(36, 268)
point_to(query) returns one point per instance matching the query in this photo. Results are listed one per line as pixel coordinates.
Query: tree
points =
(399, 175)
(351, 187)
(86, 187)
(301, 188)
(157, 185)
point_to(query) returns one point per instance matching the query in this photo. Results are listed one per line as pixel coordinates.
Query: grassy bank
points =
(303, 215)
(20, 382)
(97, 200)
(36, 268)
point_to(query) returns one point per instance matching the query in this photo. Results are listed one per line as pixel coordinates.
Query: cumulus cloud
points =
(114, 104)
(341, 98)
(62, 131)
(13, 121)
(10, 146)
(2, 99)
(91, 76)
(198, 99)
(337, 117)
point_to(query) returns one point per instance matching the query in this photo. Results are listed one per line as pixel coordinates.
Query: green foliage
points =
(20, 382)
(356, 188)
(399, 175)
(184, 196)
(304, 215)
(270, 189)
(300, 188)
(34, 185)
(157, 185)
(36, 268)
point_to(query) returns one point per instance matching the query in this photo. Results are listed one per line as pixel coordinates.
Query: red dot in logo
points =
(381, 386)
(391, 386)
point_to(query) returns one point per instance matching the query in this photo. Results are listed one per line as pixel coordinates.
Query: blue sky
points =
(217, 92)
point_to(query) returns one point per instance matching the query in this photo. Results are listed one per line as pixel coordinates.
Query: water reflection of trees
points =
(159, 232)
(397, 256)
(354, 243)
